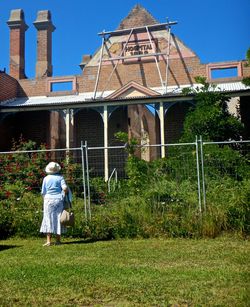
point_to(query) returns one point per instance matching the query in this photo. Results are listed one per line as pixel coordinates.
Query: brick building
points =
(132, 83)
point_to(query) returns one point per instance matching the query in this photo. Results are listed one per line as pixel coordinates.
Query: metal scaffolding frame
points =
(130, 31)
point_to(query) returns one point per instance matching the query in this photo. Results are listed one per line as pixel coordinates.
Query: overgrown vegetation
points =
(158, 198)
(210, 117)
(246, 80)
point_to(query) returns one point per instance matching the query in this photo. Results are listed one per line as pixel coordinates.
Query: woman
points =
(52, 191)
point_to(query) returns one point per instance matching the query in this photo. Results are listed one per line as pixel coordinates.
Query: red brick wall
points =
(174, 120)
(181, 71)
(245, 69)
(34, 126)
(118, 121)
(56, 135)
(6, 132)
(140, 118)
(17, 47)
(44, 45)
(8, 87)
(33, 87)
(88, 127)
(31, 125)
(244, 113)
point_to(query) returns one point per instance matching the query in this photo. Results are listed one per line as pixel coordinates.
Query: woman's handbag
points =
(67, 216)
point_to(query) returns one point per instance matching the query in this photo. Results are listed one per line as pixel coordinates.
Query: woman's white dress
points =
(52, 188)
(52, 209)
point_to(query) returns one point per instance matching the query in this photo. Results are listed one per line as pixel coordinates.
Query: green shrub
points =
(72, 173)
(238, 213)
(98, 191)
(225, 161)
(227, 206)
(171, 210)
(23, 170)
(138, 172)
(6, 220)
(157, 199)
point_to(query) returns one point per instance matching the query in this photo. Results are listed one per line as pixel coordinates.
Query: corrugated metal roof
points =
(232, 86)
(34, 101)
(44, 100)
(86, 97)
(227, 87)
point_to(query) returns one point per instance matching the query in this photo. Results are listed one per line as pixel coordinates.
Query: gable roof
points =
(130, 88)
(137, 17)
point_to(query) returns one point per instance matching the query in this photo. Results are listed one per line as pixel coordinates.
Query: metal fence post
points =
(198, 173)
(84, 181)
(87, 172)
(203, 174)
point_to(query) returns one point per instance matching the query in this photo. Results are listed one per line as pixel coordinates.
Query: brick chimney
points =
(44, 28)
(17, 27)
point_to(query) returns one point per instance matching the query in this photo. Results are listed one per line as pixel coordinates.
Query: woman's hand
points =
(66, 190)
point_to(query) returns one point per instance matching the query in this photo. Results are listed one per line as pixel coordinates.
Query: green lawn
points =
(152, 272)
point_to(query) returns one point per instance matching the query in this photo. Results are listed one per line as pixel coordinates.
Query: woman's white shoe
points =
(47, 244)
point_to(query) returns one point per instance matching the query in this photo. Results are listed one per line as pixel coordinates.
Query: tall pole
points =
(156, 62)
(125, 45)
(87, 172)
(203, 175)
(162, 134)
(67, 128)
(99, 67)
(106, 159)
(84, 180)
(198, 173)
(168, 54)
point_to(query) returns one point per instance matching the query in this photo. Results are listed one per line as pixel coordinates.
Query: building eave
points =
(85, 101)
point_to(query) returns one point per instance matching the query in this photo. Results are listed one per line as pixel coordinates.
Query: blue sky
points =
(216, 30)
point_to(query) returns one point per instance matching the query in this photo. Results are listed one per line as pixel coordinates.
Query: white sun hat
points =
(52, 168)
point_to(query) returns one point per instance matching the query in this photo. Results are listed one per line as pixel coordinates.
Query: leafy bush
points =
(72, 173)
(227, 207)
(224, 161)
(6, 221)
(98, 191)
(167, 209)
(157, 199)
(138, 172)
(210, 117)
(22, 170)
(238, 213)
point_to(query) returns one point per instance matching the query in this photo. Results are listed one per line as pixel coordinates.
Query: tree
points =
(246, 80)
(210, 117)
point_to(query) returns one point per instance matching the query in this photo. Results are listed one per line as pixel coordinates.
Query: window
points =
(224, 70)
(57, 85)
(61, 86)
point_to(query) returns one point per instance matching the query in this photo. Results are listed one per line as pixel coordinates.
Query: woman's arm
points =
(64, 186)
(65, 189)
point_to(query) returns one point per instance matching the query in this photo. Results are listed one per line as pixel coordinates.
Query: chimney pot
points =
(43, 21)
(16, 19)
(85, 59)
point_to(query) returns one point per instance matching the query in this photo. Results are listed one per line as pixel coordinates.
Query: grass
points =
(152, 272)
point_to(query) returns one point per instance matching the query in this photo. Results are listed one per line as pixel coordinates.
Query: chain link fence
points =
(202, 163)
(222, 165)
(22, 171)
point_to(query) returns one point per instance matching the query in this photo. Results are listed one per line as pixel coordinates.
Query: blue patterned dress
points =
(52, 188)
